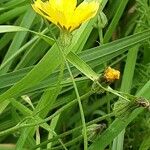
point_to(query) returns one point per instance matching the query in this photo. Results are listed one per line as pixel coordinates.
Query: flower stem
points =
(66, 39)
(77, 129)
(78, 99)
(81, 109)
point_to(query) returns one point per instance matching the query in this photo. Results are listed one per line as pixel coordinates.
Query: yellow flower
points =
(65, 13)
(111, 74)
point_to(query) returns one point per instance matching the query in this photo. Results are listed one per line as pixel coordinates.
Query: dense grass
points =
(42, 87)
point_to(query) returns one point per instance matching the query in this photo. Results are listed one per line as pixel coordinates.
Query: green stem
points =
(74, 130)
(112, 91)
(108, 109)
(78, 99)
(21, 125)
(81, 109)
(38, 140)
(64, 43)
(75, 140)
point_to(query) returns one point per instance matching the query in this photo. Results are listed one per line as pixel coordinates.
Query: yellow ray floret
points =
(65, 13)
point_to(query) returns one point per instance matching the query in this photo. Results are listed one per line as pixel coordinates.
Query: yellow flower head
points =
(65, 13)
(111, 74)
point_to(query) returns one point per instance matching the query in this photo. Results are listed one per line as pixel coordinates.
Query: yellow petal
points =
(65, 9)
(64, 13)
(44, 9)
(61, 5)
(84, 12)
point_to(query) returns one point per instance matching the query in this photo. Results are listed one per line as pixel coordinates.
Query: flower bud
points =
(111, 74)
